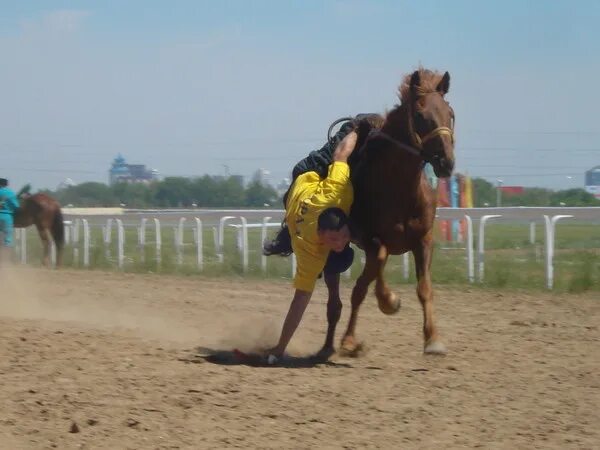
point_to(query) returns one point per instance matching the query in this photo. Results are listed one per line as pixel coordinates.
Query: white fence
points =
(550, 217)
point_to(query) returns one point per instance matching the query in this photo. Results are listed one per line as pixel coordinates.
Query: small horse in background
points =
(44, 212)
(394, 205)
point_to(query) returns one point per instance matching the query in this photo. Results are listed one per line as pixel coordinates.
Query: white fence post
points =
(221, 236)
(179, 240)
(158, 241)
(550, 242)
(481, 249)
(532, 232)
(470, 259)
(216, 240)
(86, 243)
(142, 238)
(76, 225)
(67, 227)
(263, 238)
(106, 237)
(75, 240)
(142, 232)
(106, 231)
(199, 255)
(120, 244)
(244, 231)
(405, 267)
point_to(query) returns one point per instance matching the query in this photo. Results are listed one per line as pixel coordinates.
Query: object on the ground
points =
(250, 358)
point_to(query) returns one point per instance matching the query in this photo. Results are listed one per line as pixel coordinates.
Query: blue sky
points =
(188, 87)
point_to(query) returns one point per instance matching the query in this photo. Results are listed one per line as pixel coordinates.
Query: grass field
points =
(511, 261)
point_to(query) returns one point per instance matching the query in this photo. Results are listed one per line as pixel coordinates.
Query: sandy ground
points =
(114, 361)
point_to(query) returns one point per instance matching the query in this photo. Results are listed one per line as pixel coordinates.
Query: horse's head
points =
(431, 119)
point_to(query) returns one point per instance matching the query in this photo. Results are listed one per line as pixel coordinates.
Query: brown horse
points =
(44, 212)
(394, 205)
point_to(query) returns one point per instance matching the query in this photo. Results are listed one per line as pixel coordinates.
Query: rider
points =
(316, 224)
(318, 161)
(8, 205)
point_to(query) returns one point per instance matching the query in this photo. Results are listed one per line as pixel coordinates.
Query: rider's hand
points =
(345, 147)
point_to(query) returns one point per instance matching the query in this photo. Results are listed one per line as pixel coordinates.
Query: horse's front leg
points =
(350, 346)
(386, 300)
(423, 255)
(334, 311)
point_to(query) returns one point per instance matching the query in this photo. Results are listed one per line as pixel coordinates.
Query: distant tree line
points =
(211, 191)
(172, 192)
(485, 194)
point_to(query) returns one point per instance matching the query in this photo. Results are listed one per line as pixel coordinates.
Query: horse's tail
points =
(58, 230)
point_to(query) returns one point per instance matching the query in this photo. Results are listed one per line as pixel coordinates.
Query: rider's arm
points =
(292, 320)
(309, 265)
(345, 147)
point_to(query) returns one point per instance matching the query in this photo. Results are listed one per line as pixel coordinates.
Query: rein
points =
(381, 134)
(416, 150)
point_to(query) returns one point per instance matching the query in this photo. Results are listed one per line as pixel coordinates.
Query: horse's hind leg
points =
(45, 237)
(334, 311)
(423, 255)
(349, 344)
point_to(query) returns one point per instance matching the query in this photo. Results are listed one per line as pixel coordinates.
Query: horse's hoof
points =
(435, 348)
(324, 354)
(390, 305)
(351, 348)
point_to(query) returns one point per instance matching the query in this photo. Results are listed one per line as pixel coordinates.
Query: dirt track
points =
(118, 356)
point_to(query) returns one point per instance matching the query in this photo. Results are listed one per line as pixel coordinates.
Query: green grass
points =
(511, 261)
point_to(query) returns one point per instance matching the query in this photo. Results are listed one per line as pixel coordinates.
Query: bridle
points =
(439, 131)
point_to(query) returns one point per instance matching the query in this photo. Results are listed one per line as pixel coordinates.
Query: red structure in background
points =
(454, 192)
(512, 190)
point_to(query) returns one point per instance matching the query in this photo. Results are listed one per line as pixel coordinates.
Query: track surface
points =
(121, 356)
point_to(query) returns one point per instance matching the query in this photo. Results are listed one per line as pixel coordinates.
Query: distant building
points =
(66, 183)
(121, 172)
(283, 186)
(238, 179)
(592, 181)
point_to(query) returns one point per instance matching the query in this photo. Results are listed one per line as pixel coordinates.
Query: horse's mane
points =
(25, 191)
(429, 81)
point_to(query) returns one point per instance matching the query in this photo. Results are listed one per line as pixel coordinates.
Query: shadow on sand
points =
(232, 358)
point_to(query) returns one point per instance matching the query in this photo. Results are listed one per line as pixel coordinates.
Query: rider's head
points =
(3, 182)
(333, 229)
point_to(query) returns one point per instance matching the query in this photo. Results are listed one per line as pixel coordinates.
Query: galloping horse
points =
(44, 212)
(394, 205)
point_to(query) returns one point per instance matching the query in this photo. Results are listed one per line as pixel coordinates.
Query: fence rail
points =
(79, 236)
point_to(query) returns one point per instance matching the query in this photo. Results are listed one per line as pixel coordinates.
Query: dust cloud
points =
(39, 294)
(25, 294)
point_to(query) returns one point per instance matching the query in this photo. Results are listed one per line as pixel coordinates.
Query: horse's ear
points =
(444, 84)
(415, 82)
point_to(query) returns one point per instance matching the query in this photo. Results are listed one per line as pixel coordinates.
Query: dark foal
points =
(44, 212)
